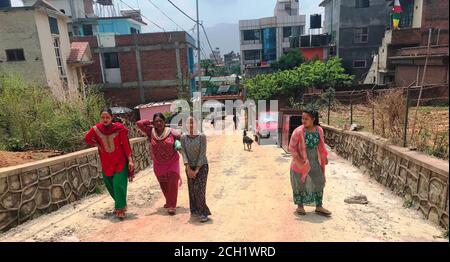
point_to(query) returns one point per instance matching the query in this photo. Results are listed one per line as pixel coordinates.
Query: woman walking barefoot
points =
(193, 150)
(165, 157)
(309, 157)
(114, 150)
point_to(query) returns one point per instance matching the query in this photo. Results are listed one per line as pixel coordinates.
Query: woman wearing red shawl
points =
(114, 150)
(309, 157)
(166, 165)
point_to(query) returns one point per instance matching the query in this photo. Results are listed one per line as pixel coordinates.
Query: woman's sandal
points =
(171, 211)
(301, 211)
(120, 214)
(322, 211)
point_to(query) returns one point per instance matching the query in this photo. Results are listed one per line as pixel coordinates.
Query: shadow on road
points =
(312, 217)
(195, 221)
(163, 212)
(110, 216)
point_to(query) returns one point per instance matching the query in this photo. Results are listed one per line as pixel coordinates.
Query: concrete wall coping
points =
(436, 165)
(18, 169)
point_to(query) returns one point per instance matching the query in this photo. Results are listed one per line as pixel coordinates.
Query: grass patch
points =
(408, 202)
(100, 189)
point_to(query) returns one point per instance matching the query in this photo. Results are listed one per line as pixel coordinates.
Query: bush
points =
(15, 145)
(31, 114)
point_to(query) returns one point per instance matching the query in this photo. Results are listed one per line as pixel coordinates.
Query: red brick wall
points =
(92, 40)
(406, 74)
(159, 65)
(128, 66)
(435, 15)
(130, 97)
(93, 71)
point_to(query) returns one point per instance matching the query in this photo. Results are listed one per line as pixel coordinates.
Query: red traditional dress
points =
(114, 150)
(166, 165)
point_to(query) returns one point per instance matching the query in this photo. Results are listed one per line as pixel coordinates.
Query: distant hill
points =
(223, 35)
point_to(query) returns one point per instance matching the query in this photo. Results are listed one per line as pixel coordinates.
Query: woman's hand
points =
(190, 173)
(130, 165)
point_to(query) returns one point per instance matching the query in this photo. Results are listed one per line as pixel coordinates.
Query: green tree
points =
(290, 60)
(208, 65)
(293, 83)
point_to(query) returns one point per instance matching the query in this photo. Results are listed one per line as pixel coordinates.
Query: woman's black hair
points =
(314, 114)
(160, 115)
(107, 110)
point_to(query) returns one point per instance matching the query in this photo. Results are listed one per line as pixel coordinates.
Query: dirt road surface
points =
(250, 197)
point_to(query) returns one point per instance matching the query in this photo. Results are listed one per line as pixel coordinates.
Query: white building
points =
(264, 40)
(34, 43)
(216, 57)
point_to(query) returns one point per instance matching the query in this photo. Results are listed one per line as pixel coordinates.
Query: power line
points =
(209, 43)
(151, 2)
(143, 16)
(195, 21)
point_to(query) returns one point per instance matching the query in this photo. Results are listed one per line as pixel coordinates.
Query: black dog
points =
(247, 141)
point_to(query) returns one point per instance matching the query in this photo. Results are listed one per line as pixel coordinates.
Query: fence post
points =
(405, 128)
(373, 109)
(329, 108)
(351, 107)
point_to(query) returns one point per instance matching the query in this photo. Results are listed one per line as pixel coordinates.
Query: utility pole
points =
(198, 55)
(199, 69)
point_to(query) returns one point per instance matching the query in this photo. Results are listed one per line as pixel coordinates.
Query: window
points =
(252, 55)
(87, 29)
(134, 31)
(287, 31)
(361, 35)
(251, 35)
(407, 15)
(15, 55)
(359, 63)
(362, 3)
(53, 25)
(111, 60)
(56, 46)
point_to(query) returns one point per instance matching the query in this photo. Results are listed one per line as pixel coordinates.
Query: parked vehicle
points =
(267, 125)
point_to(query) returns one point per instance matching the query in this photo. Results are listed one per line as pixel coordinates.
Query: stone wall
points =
(30, 190)
(405, 172)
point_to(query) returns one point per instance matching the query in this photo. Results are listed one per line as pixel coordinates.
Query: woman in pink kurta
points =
(309, 157)
(165, 158)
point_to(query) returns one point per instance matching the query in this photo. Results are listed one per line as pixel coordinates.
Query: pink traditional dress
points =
(166, 165)
(309, 157)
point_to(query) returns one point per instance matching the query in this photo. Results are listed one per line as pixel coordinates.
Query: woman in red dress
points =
(166, 165)
(117, 163)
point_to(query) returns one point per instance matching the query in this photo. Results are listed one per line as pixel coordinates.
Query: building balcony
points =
(251, 61)
(250, 42)
(406, 36)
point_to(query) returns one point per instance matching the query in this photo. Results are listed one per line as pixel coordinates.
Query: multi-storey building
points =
(264, 40)
(356, 28)
(401, 57)
(140, 68)
(92, 18)
(34, 43)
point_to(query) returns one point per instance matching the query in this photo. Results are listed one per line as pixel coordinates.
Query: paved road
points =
(249, 195)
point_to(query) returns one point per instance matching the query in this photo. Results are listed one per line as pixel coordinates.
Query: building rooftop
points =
(38, 5)
(77, 51)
